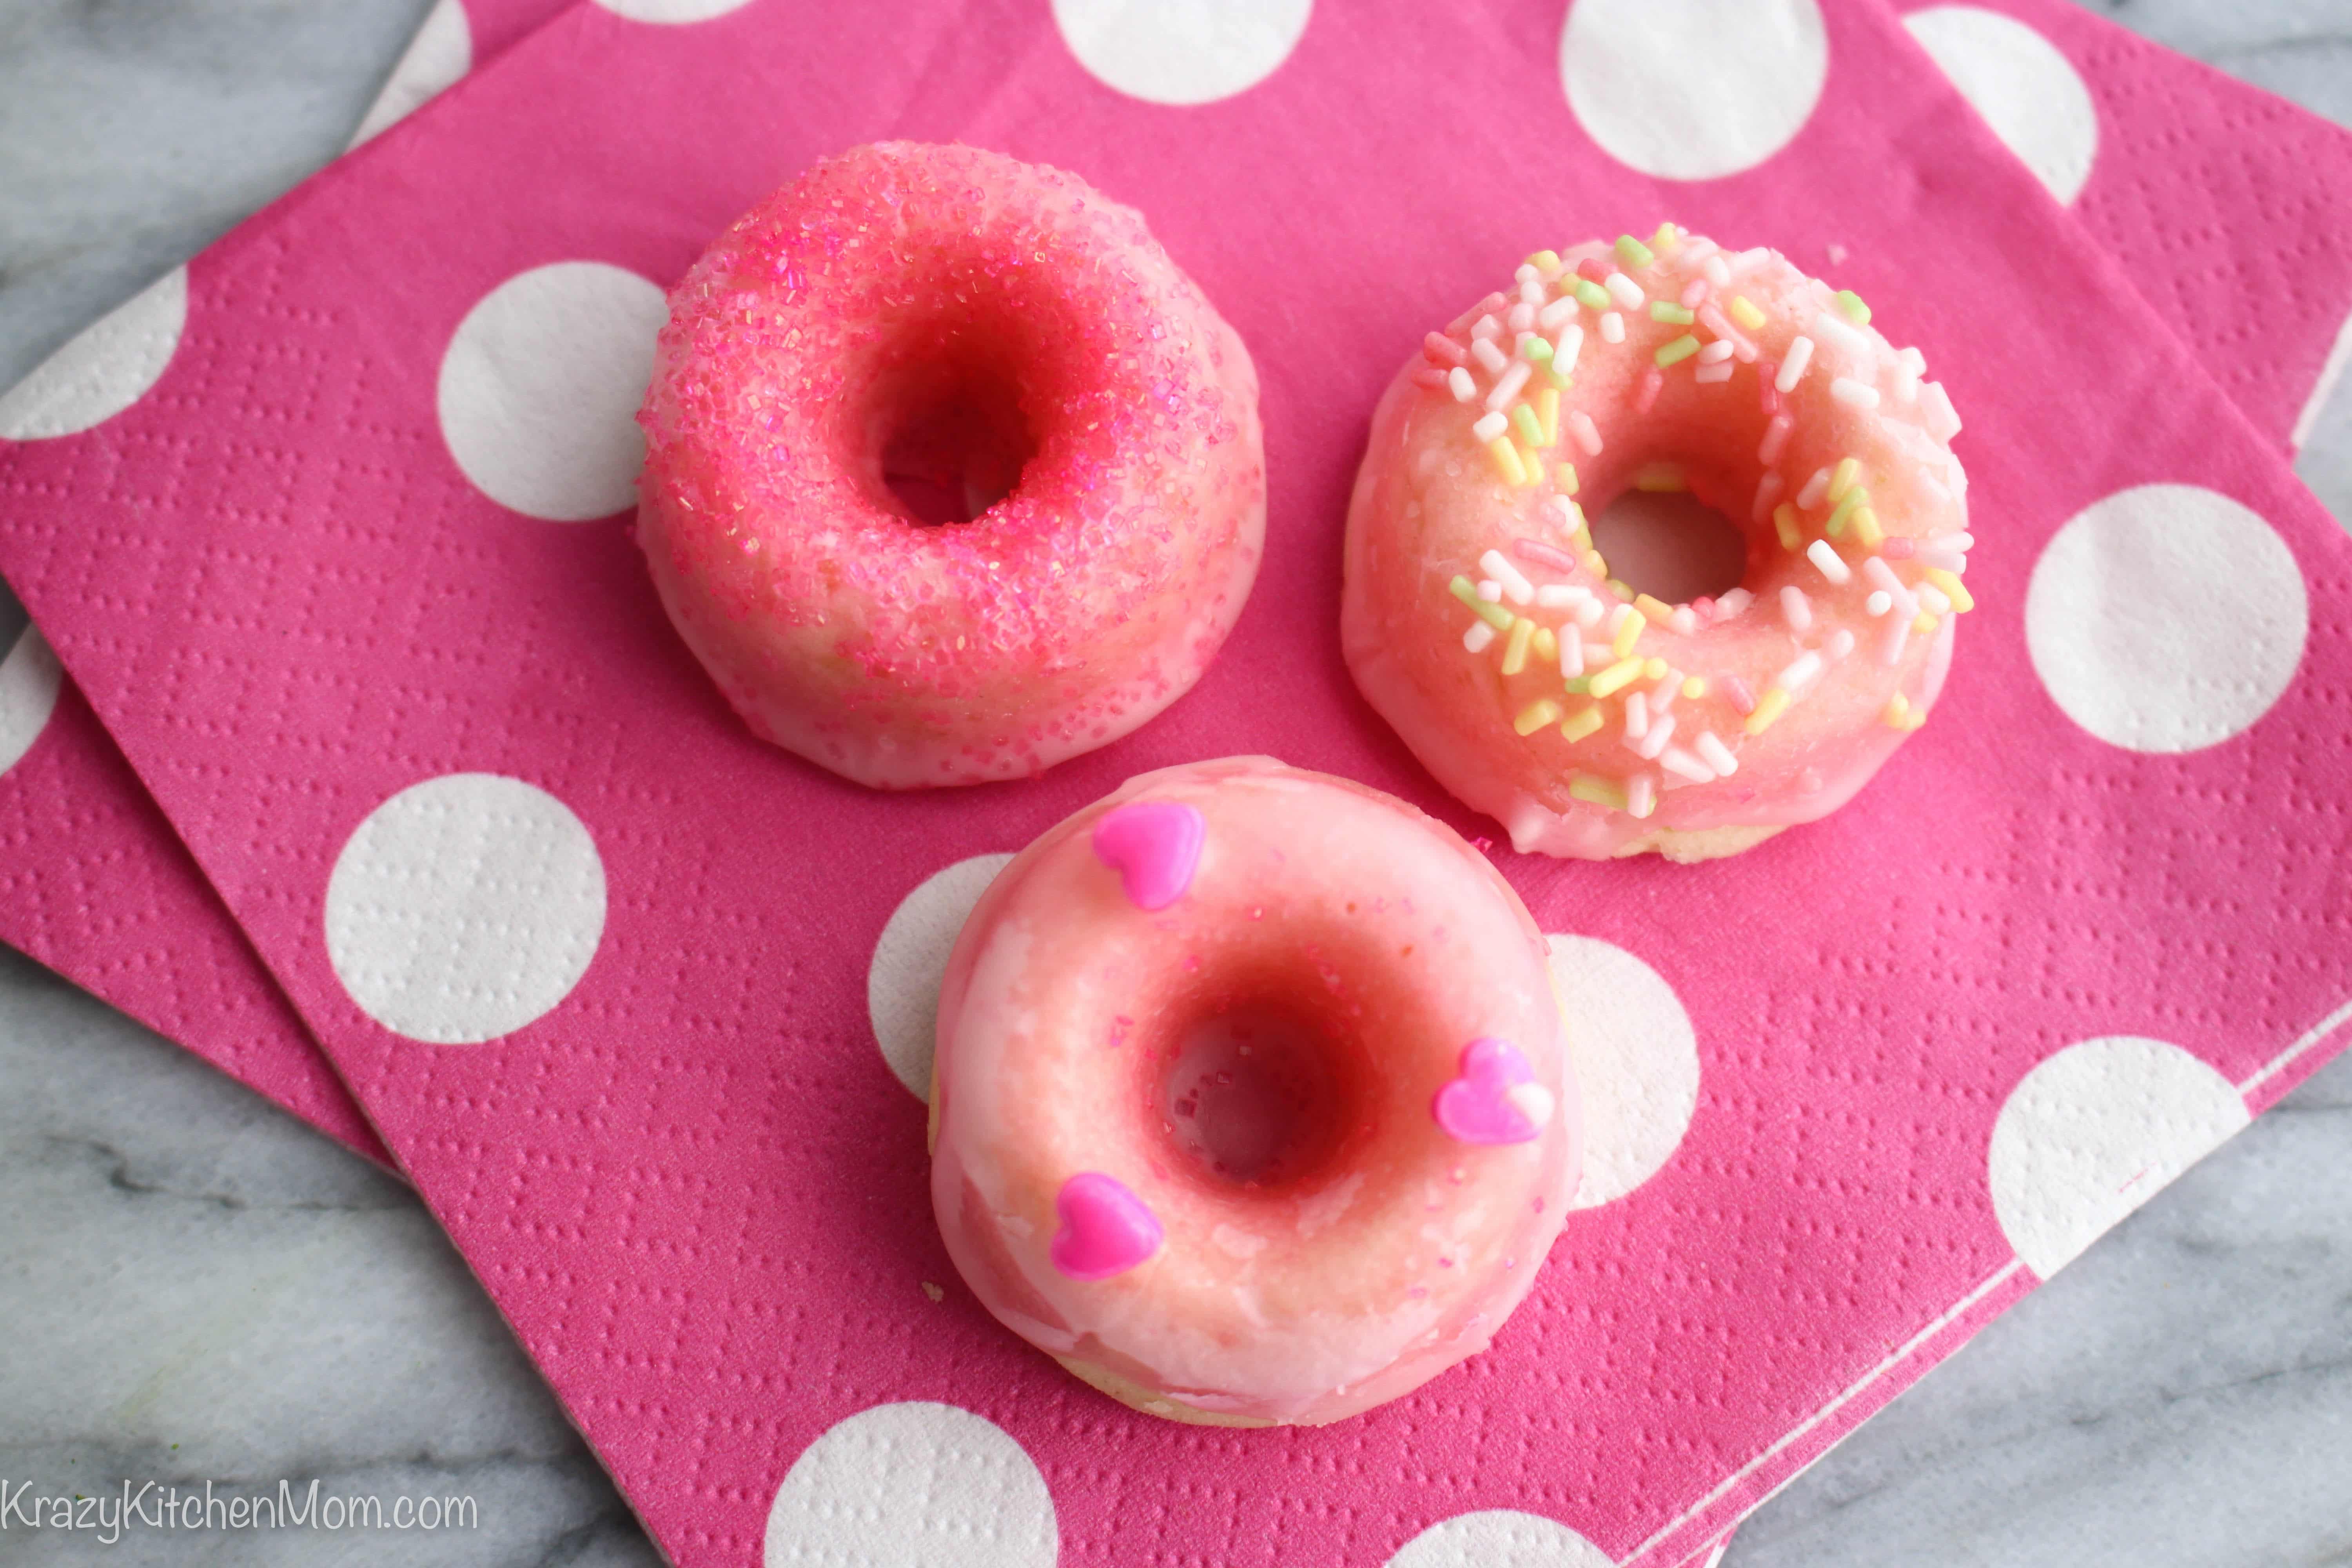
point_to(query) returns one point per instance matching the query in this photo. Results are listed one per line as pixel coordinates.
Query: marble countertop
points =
(196, 1286)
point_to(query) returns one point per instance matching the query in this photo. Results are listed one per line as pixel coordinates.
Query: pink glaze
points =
(1154, 846)
(1331, 1073)
(1432, 498)
(909, 319)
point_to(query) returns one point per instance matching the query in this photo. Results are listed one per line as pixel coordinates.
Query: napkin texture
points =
(430, 749)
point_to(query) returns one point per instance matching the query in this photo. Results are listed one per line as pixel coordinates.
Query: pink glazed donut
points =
(951, 474)
(1590, 720)
(1251, 1104)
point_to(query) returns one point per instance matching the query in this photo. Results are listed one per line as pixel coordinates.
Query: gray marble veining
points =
(193, 1286)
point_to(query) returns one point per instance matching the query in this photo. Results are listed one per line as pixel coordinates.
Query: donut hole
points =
(1253, 1094)
(1670, 544)
(952, 440)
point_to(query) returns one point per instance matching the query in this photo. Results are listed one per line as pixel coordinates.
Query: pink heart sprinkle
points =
(1106, 1229)
(1154, 846)
(1495, 1100)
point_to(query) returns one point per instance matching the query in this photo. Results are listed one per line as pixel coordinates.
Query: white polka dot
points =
(1499, 1538)
(2027, 92)
(1637, 1060)
(465, 907)
(910, 957)
(909, 1485)
(671, 11)
(2165, 618)
(1693, 89)
(441, 53)
(2331, 376)
(540, 385)
(29, 676)
(2095, 1131)
(1181, 51)
(105, 370)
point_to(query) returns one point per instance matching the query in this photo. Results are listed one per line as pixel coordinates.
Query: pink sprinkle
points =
(1694, 292)
(1429, 376)
(1897, 549)
(1488, 306)
(1741, 698)
(1543, 554)
(1775, 435)
(1588, 437)
(1592, 269)
(1440, 349)
(1705, 605)
(1652, 384)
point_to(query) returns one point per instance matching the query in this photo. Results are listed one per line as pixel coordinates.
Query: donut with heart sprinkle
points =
(1591, 720)
(1251, 1102)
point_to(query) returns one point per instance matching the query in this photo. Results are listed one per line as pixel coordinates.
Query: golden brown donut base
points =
(1692, 846)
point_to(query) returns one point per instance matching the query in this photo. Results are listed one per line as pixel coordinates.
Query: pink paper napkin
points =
(1931, 1046)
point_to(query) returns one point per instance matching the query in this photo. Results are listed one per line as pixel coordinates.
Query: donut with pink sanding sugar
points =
(1594, 720)
(950, 473)
(1251, 1103)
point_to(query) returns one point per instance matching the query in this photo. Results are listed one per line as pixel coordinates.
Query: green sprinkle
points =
(1578, 685)
(1675, 352)
(1850, 303)
(1667, 311)
(1558, 378)
(1494, 615)
(1523, 420)
(1631, 253)
(1534, 350)
(1600, 792)
(1856, 496)
(1591, 294)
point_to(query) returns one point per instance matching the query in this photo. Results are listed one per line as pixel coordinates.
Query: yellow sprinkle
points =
(1616, 677)
(1786, 525)
(1506, 461)
(1949, 582)
(1661, 478)
(1693, 689)
(1545, 261)
(1547, 644)
(1592, 560)
(1536, 715)
(1866, 530)
(1842, 478)
(1856, 496)
(1897, 706)
(1918, 717)
(1564, 475)
(1530, 466)
(1515, 651)
(1582, 722)
(1774, 704)
(1621, 588)
(1629, 632)
(1657, 610)
(1667, 239)
(1746, 314)
(1600, 792)
(1653, 669)
(1924, 623)
(1547, 422)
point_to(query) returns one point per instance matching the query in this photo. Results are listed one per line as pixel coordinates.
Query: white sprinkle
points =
(1768, 490)
(1489, 428)
(1516, 586)
(1566, 347)
(1898, 634)
(1816, 488)
(1479, 637)
(1822, 554)
(1531, 288)
(1693, 293)
(1796, 609)
(1571, 657)
(1718, 755)
(1674, 760)
(1600, 653)
(1458, 382)
(1706, 373)
(1911, 360)
(1907, 385)
(1716, 353)
(1696, 250)
(1487, 327)
(1560, 309)
(1943, 559)
(1746, 261)
(1506, 386)
(1618, 611)
(1775, 435)
(1853, 394)
(1588, 614)
(1588, 439)
(1525, 270)
(1732, 604)
(1625, 290)
(1716, 272)
(1878, 603)
(1935, 405)
(1800, 354)
(1933, 598)
(1613, 327)
(1661, 732)
(1637, 717)
(1684, 621)
(1841, 644)
(1801, 672)
(1490, 590)
(1522, 317)
(1840, 333)
(1882, 576)
(1560, 595)
(1961, 540)
(1484, 352)
(1641, 796)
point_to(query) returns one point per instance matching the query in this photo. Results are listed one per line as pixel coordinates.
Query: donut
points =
(1250, 1103)
(951, 474)
(1591, 720)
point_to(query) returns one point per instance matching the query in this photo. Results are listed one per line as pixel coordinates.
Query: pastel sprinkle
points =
(1949, 582)
(1490, 358)
(1506, 461)
(1716, 753)
(1850, 303)
(1800, 354)
(1768, 490)
(1613, 327)
(1667, 239)
(1710, 374)
(1616, 677)
(1923, 623)
(1515, 651)
(1631, 253)
(1775, 702)
(1564, 475)
(1816, 488)
(1548, 420)
(1545, 262)
(1629, 632)
(1878, 603)
(1898, 707)
(1741, 698)
(1494, 614)
(1866, 529)
(1515, 584)
(1683, 765)
(1590, 295)
(1488, 428)
(1571, 657)
(1796, 609)
(1715, 352)
(1564, 349)
(1775, 436)
(1853, 394)
(1536, 715)
(1943, 422)
(1581, 426)
(1530, 429)
(1653, 608)
(1843, 477)
(1599, 791)
(1653, 669)
(1824, 556)
(1677, 315)
(1479, 637)
(1675, 352)
(1654, 380)
(1560, 312)
(1844, 511)
(1627, 293)
(1582, 722)
(1543, 554)
(1507, 384)
(1439, 348)
(1641, 796)
(1534, 350)
(1786, 525)
(1458, 382)
(1745, 313)
(1694, 686)
(1547, 644)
